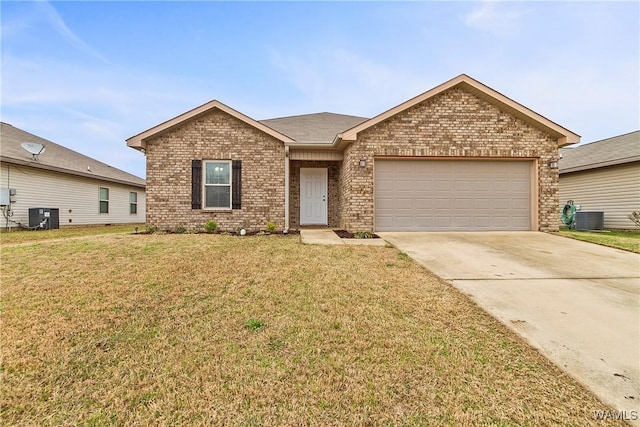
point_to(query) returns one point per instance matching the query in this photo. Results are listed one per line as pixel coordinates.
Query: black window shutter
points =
(236, 184)
(196, 184)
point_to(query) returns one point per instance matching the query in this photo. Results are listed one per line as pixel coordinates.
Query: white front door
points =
(313, 196)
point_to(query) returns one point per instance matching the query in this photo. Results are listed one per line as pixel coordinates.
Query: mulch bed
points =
(344, 234)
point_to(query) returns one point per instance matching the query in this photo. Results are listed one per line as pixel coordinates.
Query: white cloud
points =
(499, 18)
(55, 21)
(87, 108)
(342, 81)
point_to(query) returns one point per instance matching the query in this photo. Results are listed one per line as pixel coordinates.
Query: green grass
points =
(628, 240)
(24, 236)
(220, 330)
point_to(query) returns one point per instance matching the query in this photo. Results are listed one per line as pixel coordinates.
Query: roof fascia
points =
(50, 168)
(139, 141)
(616, 162)
(563, 135)
(299, 145)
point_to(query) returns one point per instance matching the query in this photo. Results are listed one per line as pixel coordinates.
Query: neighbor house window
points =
(133, 203)
(104, 200)
(217, 184)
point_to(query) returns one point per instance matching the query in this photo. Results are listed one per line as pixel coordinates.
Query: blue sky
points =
(88, 75)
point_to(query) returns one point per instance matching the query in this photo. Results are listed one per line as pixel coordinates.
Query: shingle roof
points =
(58, 158)
(318, 128)
(607, 152)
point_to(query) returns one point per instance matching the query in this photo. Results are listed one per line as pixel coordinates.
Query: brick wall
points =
(215, 135)
(454, 123)
(333, 208)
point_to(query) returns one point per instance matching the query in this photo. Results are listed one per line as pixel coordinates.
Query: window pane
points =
(133, 208)
(104, 193)
(104, 207)
(133, 197)
(217, 173)
(218, 197)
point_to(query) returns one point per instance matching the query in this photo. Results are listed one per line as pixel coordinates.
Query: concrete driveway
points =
(577, 302)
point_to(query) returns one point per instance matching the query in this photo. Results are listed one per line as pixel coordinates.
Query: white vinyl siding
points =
(446, 195)
(615, 190)
(75, 197)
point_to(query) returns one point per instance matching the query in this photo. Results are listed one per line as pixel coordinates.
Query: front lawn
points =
(24, 236)
(628, 240)
(223, 330)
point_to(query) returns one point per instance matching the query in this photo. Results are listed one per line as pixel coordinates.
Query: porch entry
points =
(313, 196)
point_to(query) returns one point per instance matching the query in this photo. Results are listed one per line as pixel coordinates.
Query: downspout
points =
(286, 189)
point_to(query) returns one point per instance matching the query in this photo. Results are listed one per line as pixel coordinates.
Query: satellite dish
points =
(33, 148)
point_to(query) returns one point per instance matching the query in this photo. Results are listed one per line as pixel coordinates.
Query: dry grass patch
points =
(223, 330)
(18, 236)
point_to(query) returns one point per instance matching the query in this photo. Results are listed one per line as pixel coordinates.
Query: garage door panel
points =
(482, 185)
(442, 195)
(520, 186)
(462, 185)
(463, 203)
(481, 204)
(403, 204)
(443, 203)
(520, 204)
(441, 185)
(482, 222)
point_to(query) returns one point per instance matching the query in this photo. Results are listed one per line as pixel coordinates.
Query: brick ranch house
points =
(460, 156)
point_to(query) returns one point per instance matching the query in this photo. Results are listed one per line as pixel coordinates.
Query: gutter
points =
(591, 166)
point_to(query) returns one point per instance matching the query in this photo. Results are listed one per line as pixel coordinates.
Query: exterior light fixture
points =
(363, 162)
(553, 164)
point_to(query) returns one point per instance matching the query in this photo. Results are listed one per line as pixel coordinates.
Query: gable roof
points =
(58, 158)
(606, 152)
(564, 136)
(139, 141)
(318, 128)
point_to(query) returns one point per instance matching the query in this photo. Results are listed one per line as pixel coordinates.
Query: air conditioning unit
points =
(44, 218)
(589, 220)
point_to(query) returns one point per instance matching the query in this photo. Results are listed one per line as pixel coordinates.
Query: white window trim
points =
(100, 200)
(133, 203)
(205, 185)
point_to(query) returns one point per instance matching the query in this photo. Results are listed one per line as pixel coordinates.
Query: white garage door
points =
(443, 195)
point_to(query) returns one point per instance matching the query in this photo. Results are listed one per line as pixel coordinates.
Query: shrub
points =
(211, 226)
(363, 235)
(152, 228)
(271, 226)
(180, 230)
(635, 217)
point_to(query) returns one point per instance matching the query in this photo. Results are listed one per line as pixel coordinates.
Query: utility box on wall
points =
(589, 220)
(44, 218)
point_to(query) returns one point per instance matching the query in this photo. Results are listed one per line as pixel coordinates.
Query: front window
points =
(104, 200)
(217, 184)
(133, 203)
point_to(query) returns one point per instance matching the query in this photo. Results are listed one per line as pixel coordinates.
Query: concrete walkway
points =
(577, 302)
(325, 236)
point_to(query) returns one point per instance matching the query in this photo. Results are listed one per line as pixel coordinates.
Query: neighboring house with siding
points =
(460, 156)
(604, 176)
(84, 190)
